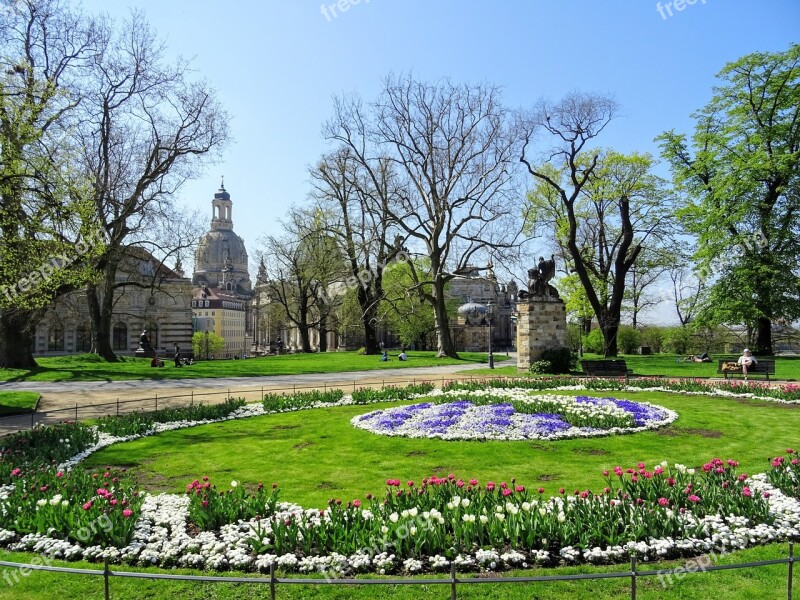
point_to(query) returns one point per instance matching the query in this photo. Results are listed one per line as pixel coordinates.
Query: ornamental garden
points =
(487, 476)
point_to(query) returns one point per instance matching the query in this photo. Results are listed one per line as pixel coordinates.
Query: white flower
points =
(394, 517)
(234, 483)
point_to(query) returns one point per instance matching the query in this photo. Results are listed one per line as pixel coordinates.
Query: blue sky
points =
(276, 64)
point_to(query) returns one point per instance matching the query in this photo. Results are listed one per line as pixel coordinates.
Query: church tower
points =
(221, 258)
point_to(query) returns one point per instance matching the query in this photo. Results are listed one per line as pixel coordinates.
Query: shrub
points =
(142, 422)
(677, 340)
(366, 395)
(562, 360)
(280, 402)
(628, 339)
(541, 367)
(594, 342)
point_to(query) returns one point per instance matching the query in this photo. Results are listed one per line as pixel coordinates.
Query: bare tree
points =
(688, 290)
(302, 267)
(609, 204)
(645, 273)
(147, 129)
(453, 152)
(355, 194)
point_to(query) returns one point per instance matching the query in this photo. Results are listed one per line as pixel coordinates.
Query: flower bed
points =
(510, 414)
(659, 512)
(663, 511)
(788, 393)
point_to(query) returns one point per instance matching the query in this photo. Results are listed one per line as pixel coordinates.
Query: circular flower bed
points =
(513, 414)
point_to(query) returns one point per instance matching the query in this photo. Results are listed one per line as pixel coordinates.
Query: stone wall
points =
(541, 325)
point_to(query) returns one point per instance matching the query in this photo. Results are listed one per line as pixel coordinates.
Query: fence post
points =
(191, 401)
(453, 580)
(76, 412)
(156, 401)
(32, 413)
(791, 567)
(105, 578)
(633, 578)
(272, 581)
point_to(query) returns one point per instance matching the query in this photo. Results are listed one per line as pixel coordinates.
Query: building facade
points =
(158, 300)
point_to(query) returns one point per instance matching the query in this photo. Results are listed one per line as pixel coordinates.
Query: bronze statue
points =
(539, 278)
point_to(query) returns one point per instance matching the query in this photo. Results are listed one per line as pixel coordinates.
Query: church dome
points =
(221, 257)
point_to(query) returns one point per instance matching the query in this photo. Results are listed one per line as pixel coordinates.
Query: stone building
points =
(158, 300)
(470, 326)
(222, 281)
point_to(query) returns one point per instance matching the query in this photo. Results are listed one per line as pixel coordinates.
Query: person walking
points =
(177, 355)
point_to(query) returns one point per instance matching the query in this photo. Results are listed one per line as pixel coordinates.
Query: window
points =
(55, 338)
(119, 337)
(83, 338)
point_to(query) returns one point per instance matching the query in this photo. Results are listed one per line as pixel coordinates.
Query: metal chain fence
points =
(453, 581)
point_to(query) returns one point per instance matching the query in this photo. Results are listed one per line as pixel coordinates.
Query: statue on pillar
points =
(538, 280)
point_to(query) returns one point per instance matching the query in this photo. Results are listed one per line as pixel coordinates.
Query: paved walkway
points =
(86, 400)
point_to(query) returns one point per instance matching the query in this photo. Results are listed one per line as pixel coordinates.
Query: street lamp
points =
(206, 344)
(489, 307)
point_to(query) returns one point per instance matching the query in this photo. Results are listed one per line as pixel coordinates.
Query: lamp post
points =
(206, 344)
(489, 307)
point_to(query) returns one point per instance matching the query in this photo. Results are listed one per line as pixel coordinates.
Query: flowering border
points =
(161, 534)
(467, 421)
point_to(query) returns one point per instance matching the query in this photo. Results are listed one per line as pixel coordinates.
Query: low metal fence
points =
(453, 581)
(11, 424)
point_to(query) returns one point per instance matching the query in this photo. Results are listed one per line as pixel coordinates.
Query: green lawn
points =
(15, 403)
(670, 365)
(316, 454)
(92, 368)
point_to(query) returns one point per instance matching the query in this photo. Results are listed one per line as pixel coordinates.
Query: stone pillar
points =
(541, 325)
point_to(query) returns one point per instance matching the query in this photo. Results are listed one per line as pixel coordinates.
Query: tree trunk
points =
(444, 340)
(16, 326)
(763, 345)
(101, 308)
(610, 327)
(323, 334)
(369, 310)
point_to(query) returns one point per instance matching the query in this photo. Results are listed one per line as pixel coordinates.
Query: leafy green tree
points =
(405, 309)
(46, 234)
(602, 207)
(629, 339)
(741, 170)
(206, 345)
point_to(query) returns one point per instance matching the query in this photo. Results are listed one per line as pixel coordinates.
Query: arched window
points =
(83, 338)
(119, 337)
(55, 338)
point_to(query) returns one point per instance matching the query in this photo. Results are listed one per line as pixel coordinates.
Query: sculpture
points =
(538, 280)
(144, 342)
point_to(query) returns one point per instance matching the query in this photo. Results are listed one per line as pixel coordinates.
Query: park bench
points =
(606, 368)
(762, 367)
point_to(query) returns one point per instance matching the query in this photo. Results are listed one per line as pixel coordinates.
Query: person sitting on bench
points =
(746, 360)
